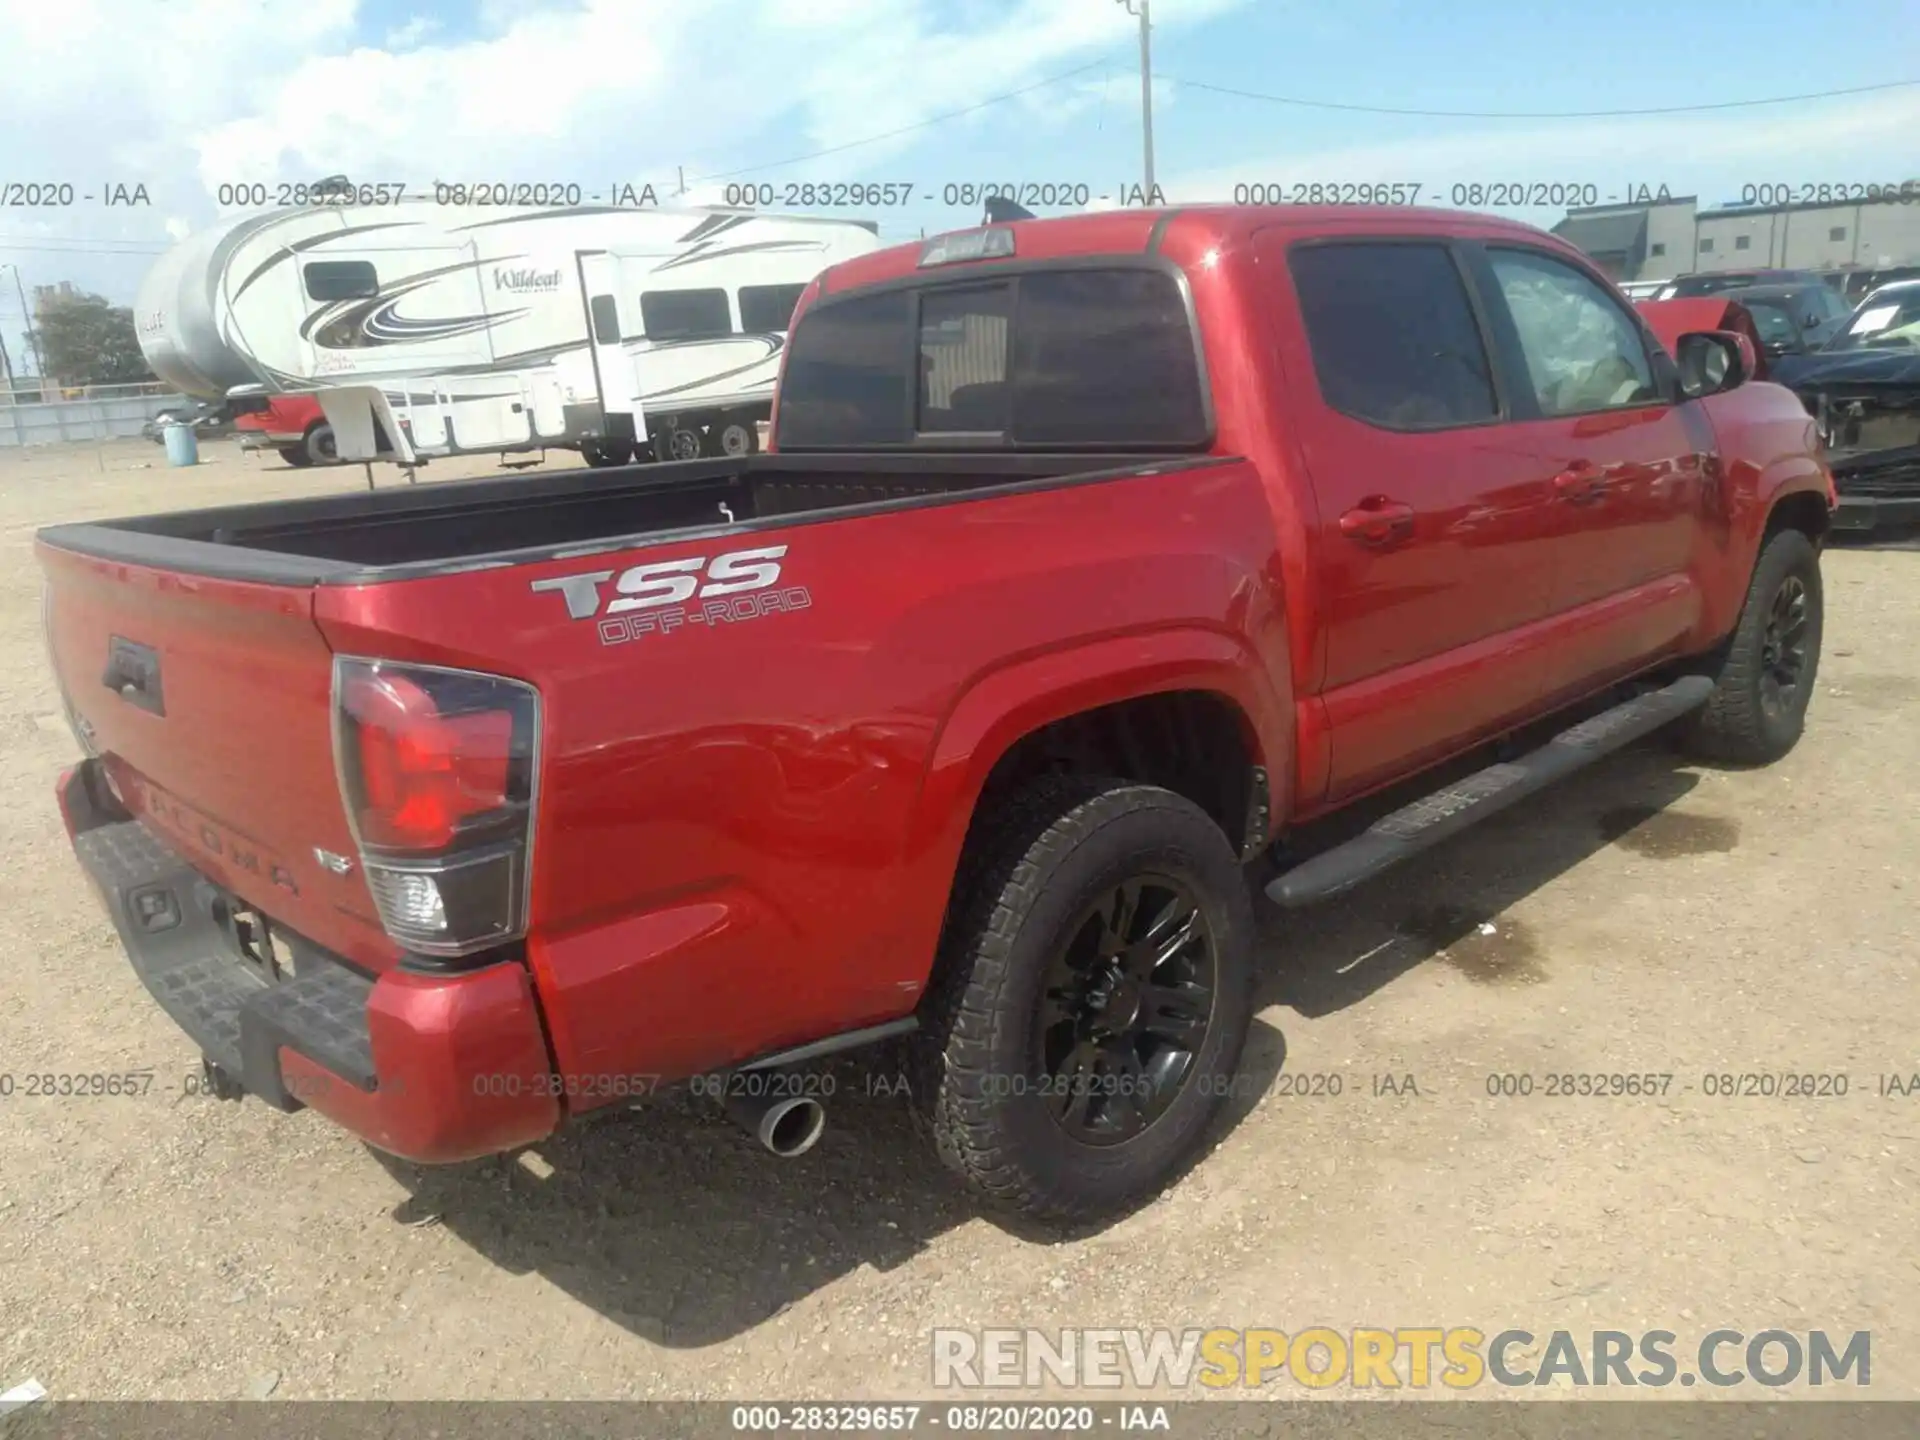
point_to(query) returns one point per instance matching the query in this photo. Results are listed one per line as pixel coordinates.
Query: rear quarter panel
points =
(746, 830)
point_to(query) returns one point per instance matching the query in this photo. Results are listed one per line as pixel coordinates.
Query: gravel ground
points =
(1645, 917)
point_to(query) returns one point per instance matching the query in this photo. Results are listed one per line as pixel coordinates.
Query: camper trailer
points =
(425, 330)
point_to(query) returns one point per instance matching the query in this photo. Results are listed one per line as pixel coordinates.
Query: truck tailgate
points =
(210, 703)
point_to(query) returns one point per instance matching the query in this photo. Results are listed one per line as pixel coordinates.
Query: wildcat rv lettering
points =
(426, 330)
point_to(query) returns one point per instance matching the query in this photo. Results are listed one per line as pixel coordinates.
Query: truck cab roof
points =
(1190, 229)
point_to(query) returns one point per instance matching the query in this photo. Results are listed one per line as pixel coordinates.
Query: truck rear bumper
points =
(433, 1068)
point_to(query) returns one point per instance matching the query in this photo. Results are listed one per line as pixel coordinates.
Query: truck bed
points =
(473, 524)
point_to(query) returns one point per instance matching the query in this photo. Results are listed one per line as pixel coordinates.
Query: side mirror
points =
(1712, 361)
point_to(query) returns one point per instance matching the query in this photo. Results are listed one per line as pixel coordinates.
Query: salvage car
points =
(1717, 282)
(1096, 557)
(208, 419)
(1863, 390)
(1793, 319)
(1670, 320)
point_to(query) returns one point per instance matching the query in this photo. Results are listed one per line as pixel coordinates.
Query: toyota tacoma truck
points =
(1093, 558)
(293, 425)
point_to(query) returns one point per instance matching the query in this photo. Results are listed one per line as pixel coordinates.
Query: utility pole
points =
(1146, 86)
(683, 178)
(33, 335)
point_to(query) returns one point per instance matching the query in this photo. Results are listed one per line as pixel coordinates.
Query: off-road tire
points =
(1032, 864)
(295, 455)
(1734, 726)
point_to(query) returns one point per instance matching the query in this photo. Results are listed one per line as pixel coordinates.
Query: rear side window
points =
(685, 314)
(845, 385)
(1106, 356)
(1393, 334)
(1070, 357)
(340, 280)
(768, 307)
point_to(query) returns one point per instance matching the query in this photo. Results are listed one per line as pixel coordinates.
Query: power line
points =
(76, 245)
(909, 129)
(1535, 114)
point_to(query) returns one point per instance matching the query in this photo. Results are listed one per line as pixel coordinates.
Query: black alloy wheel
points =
(1125, 1008)
(1763, 675)
(1783, 649)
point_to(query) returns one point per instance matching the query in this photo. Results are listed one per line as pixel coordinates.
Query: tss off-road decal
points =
(663, 595)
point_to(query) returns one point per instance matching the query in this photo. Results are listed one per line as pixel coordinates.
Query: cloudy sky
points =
(187, 96)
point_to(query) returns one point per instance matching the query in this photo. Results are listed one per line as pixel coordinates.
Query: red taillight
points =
(423, 773)
(437, 771)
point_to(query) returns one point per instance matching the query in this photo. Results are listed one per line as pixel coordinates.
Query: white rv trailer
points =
(427, 330)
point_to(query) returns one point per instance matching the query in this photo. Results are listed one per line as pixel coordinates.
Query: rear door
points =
(1430, 526)
(615, 370)
(1626, 466)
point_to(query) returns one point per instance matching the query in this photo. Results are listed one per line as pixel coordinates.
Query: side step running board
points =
(1432, 818)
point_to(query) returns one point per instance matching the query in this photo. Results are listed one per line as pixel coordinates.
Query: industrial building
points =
(1661, 239)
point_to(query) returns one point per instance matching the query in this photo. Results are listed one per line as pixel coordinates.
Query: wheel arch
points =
(1802, 503)
(1806, 510)
(1153, 707)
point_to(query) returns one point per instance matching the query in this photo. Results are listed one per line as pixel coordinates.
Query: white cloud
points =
(200, 92)
(246, 90)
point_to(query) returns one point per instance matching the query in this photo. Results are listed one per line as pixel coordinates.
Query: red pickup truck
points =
(1096, 556)
(294, 425)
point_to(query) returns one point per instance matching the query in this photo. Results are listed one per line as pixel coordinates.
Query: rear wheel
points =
(1763, 680)
(605, 453)
(295, 455)
(1092, 997)
(321, 449)
(684, 444)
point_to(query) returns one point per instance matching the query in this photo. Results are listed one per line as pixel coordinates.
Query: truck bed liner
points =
(469, 524)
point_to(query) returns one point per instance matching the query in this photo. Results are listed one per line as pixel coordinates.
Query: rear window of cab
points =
(1087, 357)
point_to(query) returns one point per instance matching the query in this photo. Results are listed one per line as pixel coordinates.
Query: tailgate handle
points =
(133, 673)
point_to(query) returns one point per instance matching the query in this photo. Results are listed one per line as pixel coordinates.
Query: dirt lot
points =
(1648, 917)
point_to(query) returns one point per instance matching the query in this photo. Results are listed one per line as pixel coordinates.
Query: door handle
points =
(1377, 520)
(1579, 482)
(133, 673)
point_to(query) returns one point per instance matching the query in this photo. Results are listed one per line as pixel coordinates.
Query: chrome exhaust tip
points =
(787, 1126)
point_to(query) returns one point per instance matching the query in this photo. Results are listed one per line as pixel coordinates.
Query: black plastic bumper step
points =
(1432, 818)
(239, 1019)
